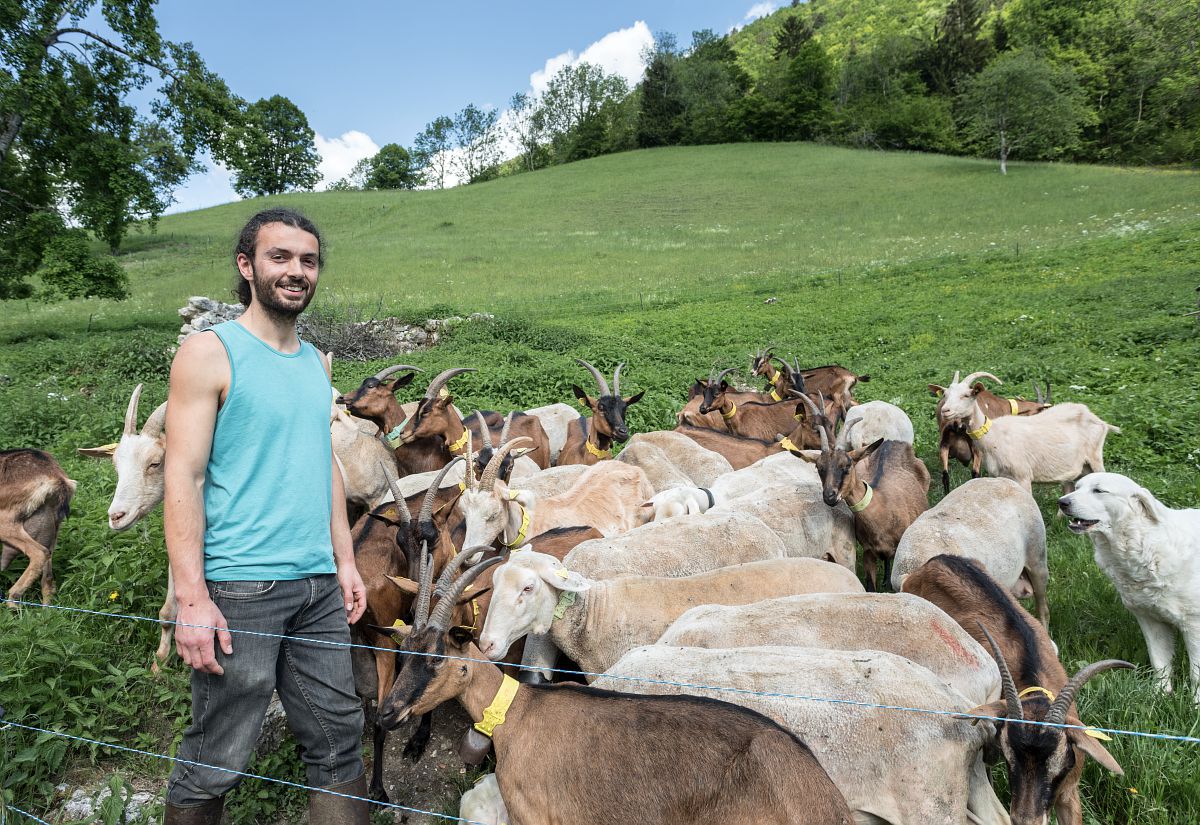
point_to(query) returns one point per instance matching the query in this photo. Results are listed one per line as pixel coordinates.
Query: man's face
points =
(283, 274)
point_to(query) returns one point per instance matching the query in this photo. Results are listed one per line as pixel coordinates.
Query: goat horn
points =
(485, 432)
(601, 381)
(854, 422)
(717, 379)
(488, 480)
(445, 606)
(808, 402)
(390, 371)
(1037, 391)
(424, 588)
(1007, 684)
(426, 514)
(1058, 710)
(617, 379)
(504, 430)
(398, 495)
(436, 385)
(446, 579)
(154, 424)
(955, 381)
(131, 411)
(469, 470)
(975, 375)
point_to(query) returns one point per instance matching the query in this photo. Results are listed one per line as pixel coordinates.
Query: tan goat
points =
(35, 494)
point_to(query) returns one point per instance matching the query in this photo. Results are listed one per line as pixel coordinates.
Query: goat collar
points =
(524, 531)
(775, 396)
(393, 436)
(493, 714)
(596, 451)
(1012, 403)
(708, 492)
(774, 379)
(983, 429)
(1035, 689)
(865, 501)
(462, 440)
(565, 600)
(732, 411)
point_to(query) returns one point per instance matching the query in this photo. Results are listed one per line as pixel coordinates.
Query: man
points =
(255, 522)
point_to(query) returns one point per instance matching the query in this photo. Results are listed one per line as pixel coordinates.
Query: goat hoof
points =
(379, 795)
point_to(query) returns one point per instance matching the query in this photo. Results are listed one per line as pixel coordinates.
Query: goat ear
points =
(977, 388)
(525, 498)
(1093, 748)
(397, 634)
(461, 636)
(406, 585)
(1142, 501)
(105, 451)
(936, 391)
(996, 708)
(863, 452)
(633, 399)
(560, 578)
(581, 395)
(810, 456)
(402, 381)
(724, 385)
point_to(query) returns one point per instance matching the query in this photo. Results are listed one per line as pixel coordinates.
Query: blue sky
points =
(370, 73)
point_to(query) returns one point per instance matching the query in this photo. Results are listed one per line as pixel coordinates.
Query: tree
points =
(712, 83)
(356, 179)
(661, 112)
(526, 124)
(476, 143)
(807, 90)
(1022, 103)
(392, 167)
(958, 50)
(70, 270)
(575, 95)
(431, 150)
(272, 150)
(72, 149)
(792, 34)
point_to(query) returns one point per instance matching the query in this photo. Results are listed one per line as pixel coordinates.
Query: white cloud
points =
(339, 154)
(759, 10)
(618, 52)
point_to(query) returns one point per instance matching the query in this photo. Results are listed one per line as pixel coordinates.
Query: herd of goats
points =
(723, 553)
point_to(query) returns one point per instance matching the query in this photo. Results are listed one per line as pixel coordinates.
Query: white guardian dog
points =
(1152, 555)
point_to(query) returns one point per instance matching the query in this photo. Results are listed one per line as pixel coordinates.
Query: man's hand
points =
(195, 644)
(354, 592)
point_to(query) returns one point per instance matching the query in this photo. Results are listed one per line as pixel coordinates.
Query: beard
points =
(282, 308)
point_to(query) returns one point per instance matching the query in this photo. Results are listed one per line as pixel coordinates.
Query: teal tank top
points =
(268, 488)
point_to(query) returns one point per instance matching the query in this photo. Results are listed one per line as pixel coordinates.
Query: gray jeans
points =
(314, 681)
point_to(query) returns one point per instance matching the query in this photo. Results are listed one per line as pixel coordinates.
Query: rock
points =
(85, 805)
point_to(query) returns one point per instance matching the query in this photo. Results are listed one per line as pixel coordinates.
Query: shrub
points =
(70, 270)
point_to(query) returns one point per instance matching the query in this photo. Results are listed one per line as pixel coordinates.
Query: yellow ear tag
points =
(581, 402)
(112, 446)
(563, 573)
(398, 623)
(443, 393)
(939, 393)
(1095, 734)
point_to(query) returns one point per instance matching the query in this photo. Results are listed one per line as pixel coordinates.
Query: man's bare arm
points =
(199, 375)
(353, 590)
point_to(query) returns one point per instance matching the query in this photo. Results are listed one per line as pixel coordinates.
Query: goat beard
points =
(264, 296)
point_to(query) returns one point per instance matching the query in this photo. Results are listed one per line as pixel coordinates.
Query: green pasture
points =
(882, 263)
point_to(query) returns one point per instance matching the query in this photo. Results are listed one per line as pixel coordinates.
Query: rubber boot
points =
(207, 813)
(330, 809)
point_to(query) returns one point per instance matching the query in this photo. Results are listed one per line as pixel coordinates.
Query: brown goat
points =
(436, 433)
(888, 494)
(35, 496)
(741, 451)
(1044, 763)
(576, 754)
(588, 444)
(952, 437)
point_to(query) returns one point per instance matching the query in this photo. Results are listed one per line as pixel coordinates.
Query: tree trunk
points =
(1003, 155)
(11, 127)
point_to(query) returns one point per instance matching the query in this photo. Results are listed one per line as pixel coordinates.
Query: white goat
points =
(483, 803)
(555, 419)
(992, 520)
(777, 468)
(877, 419)
(902, 624)
(668, 458)
(1059, 444)
(892, 766)
(595, 622)
(808, 527)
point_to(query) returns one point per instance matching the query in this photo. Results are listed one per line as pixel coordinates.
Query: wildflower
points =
(112, 597)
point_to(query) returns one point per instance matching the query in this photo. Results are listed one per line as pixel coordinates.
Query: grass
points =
(1099, 316)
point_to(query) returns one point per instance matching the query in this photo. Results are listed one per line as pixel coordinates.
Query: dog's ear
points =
(1147, 505)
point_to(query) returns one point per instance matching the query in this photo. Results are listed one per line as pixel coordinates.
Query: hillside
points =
(644, 226)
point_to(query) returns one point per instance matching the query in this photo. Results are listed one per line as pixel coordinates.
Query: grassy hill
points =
(902, 266)
(647, 225)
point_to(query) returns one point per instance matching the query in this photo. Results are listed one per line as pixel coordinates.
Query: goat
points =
(776, 469)
(607, 496)
(702, 408)
(991, 520)
(739, 452)
(360, 457)
(596, 622)
(835, 383)
(375, 399)
(1059, 444)
(482, 802)
(894, 767)
(588, 444)
(35, 494)
(555, 418)
(867, 422)
(902, 624)
(886, 495)
(778, 381)
(138, 459)
(671, 459)
(1044, 763)
(749, 415)
(952, 436)
(807, 527)
(743, 769)
(435, 433)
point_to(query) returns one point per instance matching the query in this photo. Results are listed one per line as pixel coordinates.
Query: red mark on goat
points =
(952, 643)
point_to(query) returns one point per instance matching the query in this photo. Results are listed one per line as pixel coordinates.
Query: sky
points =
(367, 73)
